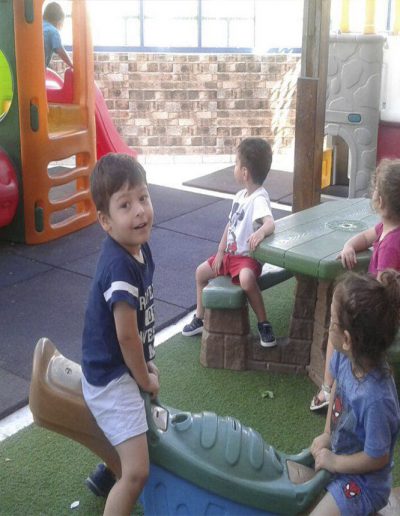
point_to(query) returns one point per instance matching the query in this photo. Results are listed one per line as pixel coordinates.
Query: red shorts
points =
(232, 265)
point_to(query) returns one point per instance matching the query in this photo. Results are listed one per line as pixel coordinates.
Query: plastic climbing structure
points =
(40, 197)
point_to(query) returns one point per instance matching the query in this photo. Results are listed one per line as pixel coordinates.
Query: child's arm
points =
(64, 56)
(354, 464)
(324, 440)
(357, 243)
(267, 228)
(132, 347)
(221, 250)
(350, 464)
(152, 368)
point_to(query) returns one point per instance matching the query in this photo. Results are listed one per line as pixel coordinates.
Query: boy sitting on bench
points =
(250, 221)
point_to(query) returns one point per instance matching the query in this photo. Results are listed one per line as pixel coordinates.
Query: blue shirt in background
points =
(52, 40)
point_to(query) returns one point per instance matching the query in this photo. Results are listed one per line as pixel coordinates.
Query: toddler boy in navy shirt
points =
(118, 336)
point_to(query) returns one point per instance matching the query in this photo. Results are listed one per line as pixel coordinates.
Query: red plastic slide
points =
(107, 137)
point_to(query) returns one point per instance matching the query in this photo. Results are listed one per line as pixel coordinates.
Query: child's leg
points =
(328, 378)
(204, 273)
(134, 457)
(248, 282)
(326, 507)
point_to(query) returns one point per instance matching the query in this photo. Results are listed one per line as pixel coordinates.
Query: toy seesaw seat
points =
(199, 462)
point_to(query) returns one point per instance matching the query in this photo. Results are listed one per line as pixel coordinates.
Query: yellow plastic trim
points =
(344, 19)
(396, 25)
(369, 27)
(326, 175)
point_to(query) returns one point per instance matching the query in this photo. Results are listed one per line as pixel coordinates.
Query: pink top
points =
(386, 252)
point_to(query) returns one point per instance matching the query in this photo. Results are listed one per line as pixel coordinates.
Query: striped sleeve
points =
(121, 284)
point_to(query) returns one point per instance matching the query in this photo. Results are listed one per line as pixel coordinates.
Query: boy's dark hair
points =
(53, 13)
(110, 174)
(387, 183)
(369, 310)
(256, 155)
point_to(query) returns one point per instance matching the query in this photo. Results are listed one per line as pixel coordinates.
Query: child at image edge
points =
(250, 221)
(385, 239)
(363, 417)
(118, 335)
(53, 20)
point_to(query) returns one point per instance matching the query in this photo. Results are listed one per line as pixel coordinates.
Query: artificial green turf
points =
(42, 473)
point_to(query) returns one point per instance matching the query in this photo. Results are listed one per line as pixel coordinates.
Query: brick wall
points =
(199, 103)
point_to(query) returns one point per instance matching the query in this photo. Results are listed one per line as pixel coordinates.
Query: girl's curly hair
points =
(370, 311)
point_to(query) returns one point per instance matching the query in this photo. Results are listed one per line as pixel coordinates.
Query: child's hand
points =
(255, 238)
(320, 442)
(325, 459)
(152, 368)
(348, 257)
(154, 385)
(216, 266)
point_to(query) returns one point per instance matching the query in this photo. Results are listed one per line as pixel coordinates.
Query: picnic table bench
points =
(305, 244)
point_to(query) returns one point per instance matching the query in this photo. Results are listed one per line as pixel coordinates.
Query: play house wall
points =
(389, 127)
(353, 101)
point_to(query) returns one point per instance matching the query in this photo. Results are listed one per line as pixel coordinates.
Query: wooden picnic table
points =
(307, 243)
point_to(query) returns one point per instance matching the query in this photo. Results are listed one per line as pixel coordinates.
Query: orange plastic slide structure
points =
(108, 138)
(56, 198)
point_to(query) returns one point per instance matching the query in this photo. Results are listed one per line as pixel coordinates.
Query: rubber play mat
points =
(279, 184)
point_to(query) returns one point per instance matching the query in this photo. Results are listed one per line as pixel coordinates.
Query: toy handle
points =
(148, 402)
(321, 478)
(304, 457)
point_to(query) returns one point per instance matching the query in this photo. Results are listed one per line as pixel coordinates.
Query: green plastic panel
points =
(312, 214)
(330, 268)
(221, 293)
(6, 86)
(29, 11)
(227, 458)
(309, 242)
(271, 278)
(34, 116)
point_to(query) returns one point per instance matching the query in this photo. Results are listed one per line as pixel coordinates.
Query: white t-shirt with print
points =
(246, 217)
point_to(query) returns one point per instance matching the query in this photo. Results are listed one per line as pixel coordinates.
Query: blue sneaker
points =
(101, 481)
(195, 327)
(267, 337)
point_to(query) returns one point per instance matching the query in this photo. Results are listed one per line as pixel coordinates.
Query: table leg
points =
(322, 316)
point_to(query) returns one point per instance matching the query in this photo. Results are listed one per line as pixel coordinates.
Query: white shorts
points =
(117, 407)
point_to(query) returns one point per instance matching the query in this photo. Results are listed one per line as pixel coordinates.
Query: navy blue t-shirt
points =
(119, 277)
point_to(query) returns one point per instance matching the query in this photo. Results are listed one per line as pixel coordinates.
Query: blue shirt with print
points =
(365, 418)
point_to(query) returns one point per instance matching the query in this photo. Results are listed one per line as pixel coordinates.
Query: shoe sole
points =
(93, 487)
(197, 331)
(321, 406)
(268, 344)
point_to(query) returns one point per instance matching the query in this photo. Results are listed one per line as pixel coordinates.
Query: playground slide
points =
(107, 137)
